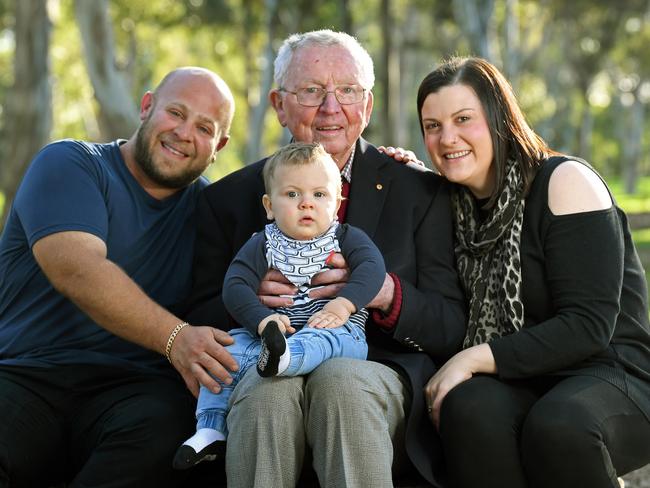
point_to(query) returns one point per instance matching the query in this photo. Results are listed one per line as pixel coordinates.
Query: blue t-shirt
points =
(78, 186)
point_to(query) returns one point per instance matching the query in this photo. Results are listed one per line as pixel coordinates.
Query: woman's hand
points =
(461, 367)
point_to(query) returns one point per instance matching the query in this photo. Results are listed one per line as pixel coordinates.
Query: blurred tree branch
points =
(28, 103)
(118, 115)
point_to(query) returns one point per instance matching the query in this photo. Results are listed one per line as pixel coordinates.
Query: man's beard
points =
(144, 159)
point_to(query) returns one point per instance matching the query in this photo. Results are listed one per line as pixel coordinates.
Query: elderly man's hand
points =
(276, 290)
(384, 299)
(332, 280)
(402, 155)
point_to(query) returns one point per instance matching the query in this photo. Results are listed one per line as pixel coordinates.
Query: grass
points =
(641, 238)
(637, 203)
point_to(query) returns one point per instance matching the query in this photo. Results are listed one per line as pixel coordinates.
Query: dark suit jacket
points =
(407, 214)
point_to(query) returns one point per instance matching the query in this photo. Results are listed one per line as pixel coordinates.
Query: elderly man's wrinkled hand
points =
(276, 290)
(401, 155)
(329, 282)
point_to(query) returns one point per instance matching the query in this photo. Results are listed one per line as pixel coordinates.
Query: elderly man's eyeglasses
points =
(313, 96)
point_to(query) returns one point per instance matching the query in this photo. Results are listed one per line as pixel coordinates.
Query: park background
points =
(580, 68)
(77, 68)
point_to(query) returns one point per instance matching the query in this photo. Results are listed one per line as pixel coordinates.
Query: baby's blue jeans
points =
(309, 348)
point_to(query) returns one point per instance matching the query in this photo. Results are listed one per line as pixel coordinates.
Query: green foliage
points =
(637, 203)
(73, 105)
(568, 56)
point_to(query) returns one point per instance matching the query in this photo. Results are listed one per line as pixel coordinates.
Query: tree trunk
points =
(475, 18)
(407, 132)
(118, 115)
(346, 17)
(632, 145)
(394, 87)
(386, 73)
(258, 112)
(512, 45)
(28, 114)
(247, 32)
(586, 129)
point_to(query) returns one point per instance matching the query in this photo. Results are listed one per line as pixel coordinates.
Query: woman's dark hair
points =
(512, 137)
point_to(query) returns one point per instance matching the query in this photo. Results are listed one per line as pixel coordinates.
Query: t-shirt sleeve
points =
(62, 191)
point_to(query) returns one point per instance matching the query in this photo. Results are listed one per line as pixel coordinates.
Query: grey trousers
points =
(350, 413)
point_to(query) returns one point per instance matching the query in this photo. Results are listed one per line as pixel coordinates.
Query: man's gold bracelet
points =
(170, 341)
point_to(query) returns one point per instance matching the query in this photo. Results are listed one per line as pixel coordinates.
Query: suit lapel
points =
(369, 189)
(260, 192)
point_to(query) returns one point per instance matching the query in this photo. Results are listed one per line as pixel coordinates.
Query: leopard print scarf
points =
(487, 254)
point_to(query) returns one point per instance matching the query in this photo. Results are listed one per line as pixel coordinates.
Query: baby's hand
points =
(284, 324)
(334, 314)
(325, 320)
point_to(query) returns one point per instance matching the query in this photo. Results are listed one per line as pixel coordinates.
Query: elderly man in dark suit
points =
(363, 421)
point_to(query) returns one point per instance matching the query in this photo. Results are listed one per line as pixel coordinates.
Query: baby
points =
(303, 194)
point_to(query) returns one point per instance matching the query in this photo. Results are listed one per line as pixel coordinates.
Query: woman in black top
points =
(552, 387)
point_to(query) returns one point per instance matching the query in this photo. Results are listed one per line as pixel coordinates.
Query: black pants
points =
(548, 432)
(92, 426)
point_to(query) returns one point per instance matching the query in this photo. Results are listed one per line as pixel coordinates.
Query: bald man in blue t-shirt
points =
(96, 252)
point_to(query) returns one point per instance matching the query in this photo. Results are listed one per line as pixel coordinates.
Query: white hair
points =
(325, 37)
